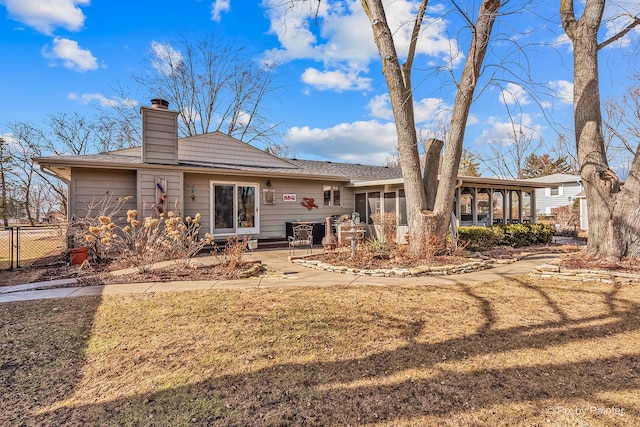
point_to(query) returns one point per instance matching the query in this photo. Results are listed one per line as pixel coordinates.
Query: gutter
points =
(45, 170)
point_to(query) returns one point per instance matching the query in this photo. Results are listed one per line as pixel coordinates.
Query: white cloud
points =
(335, 80)
(46, 15)
(11, 142)
(339, 34)
(503, 132)
(430, 110)
(72, 55)
(563, 90)
(514, 94)
(218, 7)
(617, 16)
(380, 107)
(368, 142)
(425, 110)
(165, 57)
(88, 98)
(563, 41)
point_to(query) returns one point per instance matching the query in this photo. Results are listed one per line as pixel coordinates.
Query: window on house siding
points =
(554, 191)
(331, 194)
(403, 207)
(361, 206)
(373, 205)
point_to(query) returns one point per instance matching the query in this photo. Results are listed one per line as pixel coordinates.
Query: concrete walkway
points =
(280, 274)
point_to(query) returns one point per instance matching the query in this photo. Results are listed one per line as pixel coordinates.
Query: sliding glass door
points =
(234, 208)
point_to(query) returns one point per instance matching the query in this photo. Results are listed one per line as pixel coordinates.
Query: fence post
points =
(17, 247)
(10, 248)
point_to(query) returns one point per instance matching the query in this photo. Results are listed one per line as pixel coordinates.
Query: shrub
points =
(479, 238)
(138, 243)
(229, 259)
(514, 235)
(518, 235)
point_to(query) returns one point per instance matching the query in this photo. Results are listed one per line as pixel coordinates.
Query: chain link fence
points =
(24, 246)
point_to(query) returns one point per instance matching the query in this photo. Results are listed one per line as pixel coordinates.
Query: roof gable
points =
(219, 148)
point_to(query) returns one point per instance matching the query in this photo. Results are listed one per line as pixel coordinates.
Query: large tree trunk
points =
(398, 80)
(438, 220)
(428, 225)
(431, 170)
(614, 223)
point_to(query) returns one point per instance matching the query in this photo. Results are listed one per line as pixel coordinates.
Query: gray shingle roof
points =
(295, 167)
(347, 170)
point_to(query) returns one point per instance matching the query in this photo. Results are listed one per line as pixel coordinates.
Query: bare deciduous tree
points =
(426, 226)
(214, 86)
(26, 137)
(506, 159)
(613, 210)
(5, 168)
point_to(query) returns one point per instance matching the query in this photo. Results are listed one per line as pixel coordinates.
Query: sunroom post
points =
(490, 220)
(519, 206)
(474, 205)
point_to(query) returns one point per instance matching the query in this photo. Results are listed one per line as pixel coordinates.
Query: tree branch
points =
(631, 26)
(568, 17)
(414, 36)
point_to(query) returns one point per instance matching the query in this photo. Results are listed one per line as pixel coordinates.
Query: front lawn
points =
(516, 352)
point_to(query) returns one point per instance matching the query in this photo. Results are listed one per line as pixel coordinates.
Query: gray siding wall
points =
(146, 191)
(545, 202)
(272, 217)
(159, 136)
(92, 185)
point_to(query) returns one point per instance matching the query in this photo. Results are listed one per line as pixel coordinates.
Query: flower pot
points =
(78, 255)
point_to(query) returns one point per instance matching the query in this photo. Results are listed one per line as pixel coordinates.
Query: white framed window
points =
(331, 195)
(554, 191)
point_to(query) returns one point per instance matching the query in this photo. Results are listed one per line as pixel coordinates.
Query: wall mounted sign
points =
(161, 194)
(308, 203)
(289, 198)
(268, 197)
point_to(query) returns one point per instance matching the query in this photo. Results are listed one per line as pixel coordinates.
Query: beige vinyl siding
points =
(92, 185)
(202, 202)
(160, 136)
(147, 191)
(272, 217)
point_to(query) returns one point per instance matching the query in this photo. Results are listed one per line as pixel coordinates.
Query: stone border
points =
(552, 271)
(476, 263)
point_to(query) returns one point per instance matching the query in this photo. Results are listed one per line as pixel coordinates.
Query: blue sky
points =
(69, 55)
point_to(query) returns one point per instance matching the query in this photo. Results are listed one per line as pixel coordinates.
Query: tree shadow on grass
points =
(43, 344)
(411, 381)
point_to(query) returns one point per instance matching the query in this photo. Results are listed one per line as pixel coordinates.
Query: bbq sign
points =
(289, 198)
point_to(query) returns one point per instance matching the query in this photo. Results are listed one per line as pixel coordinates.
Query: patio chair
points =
(302, 237)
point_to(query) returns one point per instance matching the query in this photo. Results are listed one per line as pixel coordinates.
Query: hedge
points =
(515, 235)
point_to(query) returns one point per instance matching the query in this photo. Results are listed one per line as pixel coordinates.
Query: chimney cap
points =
(160, 103)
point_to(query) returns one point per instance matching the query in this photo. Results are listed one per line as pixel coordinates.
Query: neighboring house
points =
(241, 190)
(560, 189)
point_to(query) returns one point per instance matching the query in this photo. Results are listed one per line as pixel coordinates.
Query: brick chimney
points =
(159, 133)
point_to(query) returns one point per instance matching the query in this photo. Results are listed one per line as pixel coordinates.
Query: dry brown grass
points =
(517, 352)
(33, 246)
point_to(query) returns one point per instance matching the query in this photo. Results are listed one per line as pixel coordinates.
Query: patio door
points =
(234, 209)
